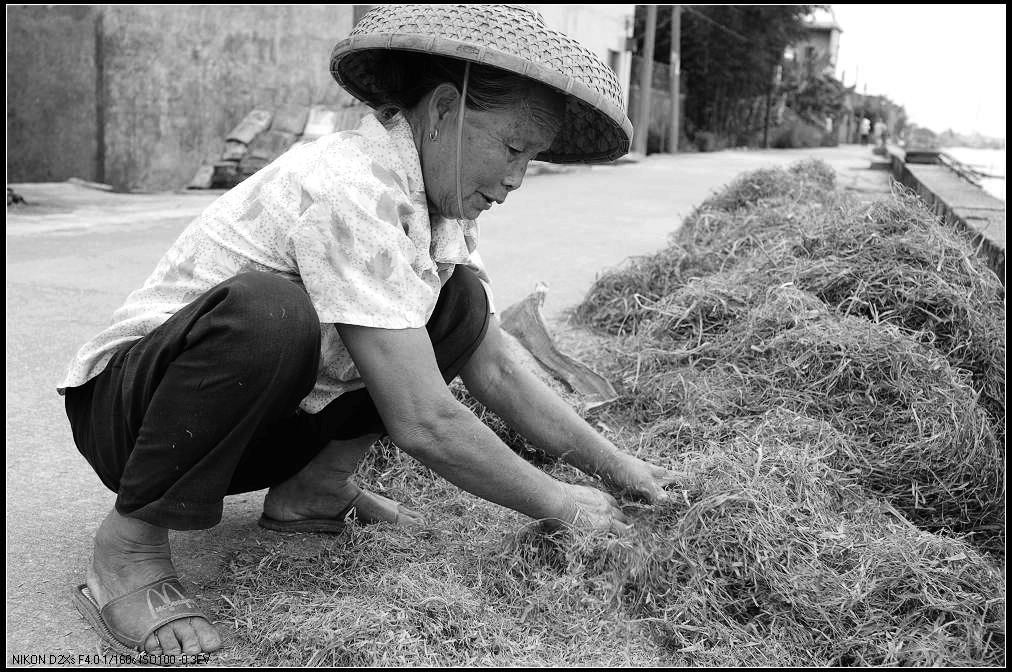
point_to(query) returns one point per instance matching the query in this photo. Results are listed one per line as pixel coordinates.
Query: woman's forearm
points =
(532, 408)
(461, 449)
(422, 417)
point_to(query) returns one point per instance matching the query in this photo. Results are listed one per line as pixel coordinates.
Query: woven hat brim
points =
(594, 129)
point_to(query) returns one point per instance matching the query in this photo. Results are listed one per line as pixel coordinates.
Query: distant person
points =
(865, 130)
(329, 300)
(881, 133)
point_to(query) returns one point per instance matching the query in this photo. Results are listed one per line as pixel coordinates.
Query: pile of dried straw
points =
(831, 376)
(876, 319)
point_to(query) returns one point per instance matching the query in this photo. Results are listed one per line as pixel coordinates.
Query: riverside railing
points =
(968, 172)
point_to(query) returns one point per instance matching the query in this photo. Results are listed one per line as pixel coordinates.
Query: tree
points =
(730, 55)
(811, 92)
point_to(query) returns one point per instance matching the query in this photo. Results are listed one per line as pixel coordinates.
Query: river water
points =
(989, 161)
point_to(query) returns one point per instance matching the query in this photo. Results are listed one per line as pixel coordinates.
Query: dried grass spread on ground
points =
(829, 378)
(877, 318)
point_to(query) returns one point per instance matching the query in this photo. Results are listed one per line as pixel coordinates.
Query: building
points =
(814, 58)
(818, 51)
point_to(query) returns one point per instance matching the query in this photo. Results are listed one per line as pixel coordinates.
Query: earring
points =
(433, 134)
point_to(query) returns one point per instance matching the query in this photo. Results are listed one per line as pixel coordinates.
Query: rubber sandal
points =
(322, 525)
(125, 622)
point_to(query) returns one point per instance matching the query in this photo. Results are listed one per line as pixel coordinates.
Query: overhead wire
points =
(698, 13)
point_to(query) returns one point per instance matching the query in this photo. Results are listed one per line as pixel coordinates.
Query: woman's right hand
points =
(588, 508)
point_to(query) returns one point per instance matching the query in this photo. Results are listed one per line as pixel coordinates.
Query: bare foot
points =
(294, 500)
(130, 553)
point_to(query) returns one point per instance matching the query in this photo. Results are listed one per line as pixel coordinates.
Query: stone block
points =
(252, 125)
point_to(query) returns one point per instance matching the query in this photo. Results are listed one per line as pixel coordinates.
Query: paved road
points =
(74, 253)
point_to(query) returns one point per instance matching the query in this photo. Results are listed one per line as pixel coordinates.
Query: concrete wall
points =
(177, 78)
(52, 111)
(959, 203)
(600, 28)
(154, 93)
(659, 127)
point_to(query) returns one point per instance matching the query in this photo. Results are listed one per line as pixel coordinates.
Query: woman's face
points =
(497, 147)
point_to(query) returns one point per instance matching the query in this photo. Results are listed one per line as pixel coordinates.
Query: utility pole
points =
(646, 78)
(766, 120)
(774, 83)
(675, 72)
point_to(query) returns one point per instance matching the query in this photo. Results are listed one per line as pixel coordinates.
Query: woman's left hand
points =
(633, 476)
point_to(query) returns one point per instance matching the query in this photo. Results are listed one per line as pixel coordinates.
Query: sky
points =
(945, 64)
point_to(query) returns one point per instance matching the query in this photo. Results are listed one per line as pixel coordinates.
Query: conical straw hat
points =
(514, 38)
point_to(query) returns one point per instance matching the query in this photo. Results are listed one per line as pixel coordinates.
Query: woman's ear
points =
(443, 102)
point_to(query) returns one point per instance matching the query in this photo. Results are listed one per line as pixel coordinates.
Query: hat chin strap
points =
(460, 135)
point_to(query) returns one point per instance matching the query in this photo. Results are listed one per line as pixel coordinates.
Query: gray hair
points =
(412, 76)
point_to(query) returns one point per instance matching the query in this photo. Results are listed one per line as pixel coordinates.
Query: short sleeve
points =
(353, 255)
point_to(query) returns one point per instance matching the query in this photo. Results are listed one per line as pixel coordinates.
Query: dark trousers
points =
(206, 405)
